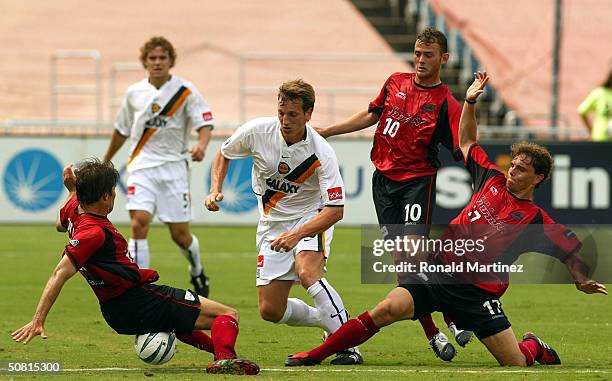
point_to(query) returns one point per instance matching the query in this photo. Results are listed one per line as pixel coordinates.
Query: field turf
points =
(578, 326)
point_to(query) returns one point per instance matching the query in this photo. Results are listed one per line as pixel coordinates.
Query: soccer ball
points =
(155, 348)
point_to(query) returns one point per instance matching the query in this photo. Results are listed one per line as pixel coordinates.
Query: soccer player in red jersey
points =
(415, 113)
(130, 302)
(473, 301)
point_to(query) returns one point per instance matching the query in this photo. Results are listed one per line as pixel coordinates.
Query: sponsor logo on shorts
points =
(334, 193)
(131, 190)
(283, 168)
(74, 242)
(155, 107)
(189, 296)
(260, 261)
(207, 116)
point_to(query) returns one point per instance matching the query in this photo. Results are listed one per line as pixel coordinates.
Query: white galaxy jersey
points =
(290, 181)
(159, 121)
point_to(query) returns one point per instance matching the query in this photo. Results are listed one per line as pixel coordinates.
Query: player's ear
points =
(539, 178)
(445, 57)
(309, 113)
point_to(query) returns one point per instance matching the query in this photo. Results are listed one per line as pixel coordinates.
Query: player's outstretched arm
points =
(467, 124)
(64, 271)
(358, 121)
(116, 143)
(579, 270)
(218, 173)
(323, 221)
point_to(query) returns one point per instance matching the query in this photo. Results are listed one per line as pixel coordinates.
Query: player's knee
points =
(307, 278)
(232, 312)
(139, 227)
(182, 239)
(270, 313)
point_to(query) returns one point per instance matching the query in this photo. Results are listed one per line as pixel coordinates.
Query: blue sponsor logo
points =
(238, 196)
(33, 180)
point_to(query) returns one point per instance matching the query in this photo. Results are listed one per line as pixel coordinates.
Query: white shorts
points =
(274, 265)
(162, 190)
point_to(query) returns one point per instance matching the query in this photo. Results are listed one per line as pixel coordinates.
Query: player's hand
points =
(28, 331)
(285, 242)
(211, 201)
(592, 287)
(477, 87)
(321, 131)
(197, 153)
(69, 178)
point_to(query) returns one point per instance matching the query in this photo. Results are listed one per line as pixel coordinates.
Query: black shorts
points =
(404, 207)
(152, 308)
(470, 307)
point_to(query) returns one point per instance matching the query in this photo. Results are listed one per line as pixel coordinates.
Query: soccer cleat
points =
(348, 357)
(549, 356)
(461, 337)
(301, 359)
(233, 366)
(442, 348)
(200, 284)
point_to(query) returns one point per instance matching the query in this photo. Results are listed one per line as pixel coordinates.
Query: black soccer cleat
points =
(549, 356)
(233, 366)
(301, 359)
(442, 348)
(200, 284)
(462, 337)
(348, 357)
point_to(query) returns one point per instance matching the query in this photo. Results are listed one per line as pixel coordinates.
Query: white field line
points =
(383, 370)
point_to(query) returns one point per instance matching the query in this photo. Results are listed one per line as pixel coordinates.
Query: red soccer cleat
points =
(301, 359)
(233, 366)
(549, 356)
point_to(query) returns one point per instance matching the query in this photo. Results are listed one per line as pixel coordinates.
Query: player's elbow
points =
(59, 227)
(337, 214)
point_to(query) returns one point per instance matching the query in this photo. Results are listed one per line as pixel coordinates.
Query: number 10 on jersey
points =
(391, 127)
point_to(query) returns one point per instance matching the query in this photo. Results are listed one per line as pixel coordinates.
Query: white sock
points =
(329, 304)
(300, 314)
(139, 251)
(193, 256)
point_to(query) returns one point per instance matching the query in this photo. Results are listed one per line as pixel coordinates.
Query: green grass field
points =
(578, 326)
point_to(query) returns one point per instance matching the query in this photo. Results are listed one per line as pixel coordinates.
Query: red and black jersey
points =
(509, 226)
(100, 253)
(413, 121)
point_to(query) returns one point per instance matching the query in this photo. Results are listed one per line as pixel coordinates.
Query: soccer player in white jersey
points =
(158, 115)
(301, 196)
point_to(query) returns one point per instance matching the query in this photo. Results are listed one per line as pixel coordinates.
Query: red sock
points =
(197, 339)
(350, 334)
(429, 326)
(531, 349)
(447, 319)
(224, 332)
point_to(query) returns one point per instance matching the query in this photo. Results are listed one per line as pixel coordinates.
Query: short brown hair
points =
(431, 35)
(94, 179)
(541, 159)
(295, 90)
(153, 43)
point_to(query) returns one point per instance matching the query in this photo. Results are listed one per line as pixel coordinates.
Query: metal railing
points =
(57, 89)
(245, 90)
(114, 97)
